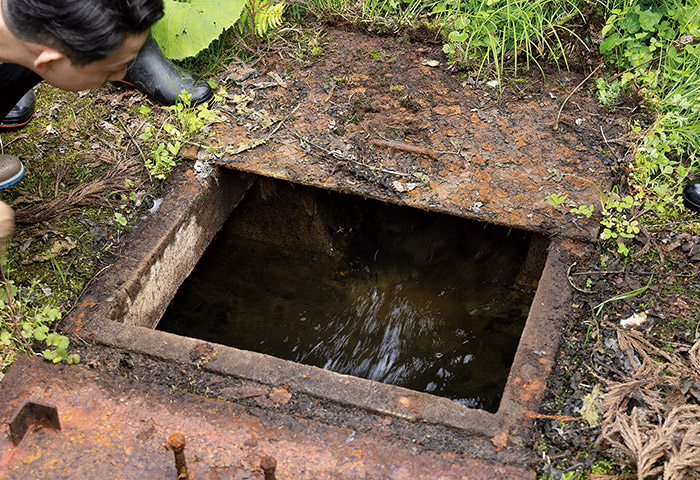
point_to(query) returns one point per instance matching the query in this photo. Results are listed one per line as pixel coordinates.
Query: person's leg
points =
(154, 74)
(21, 113)
(15, 82)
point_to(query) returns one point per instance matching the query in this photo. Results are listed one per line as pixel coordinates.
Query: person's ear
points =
(46, 58)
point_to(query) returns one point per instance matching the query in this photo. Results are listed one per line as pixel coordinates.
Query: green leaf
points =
(40, 333)
(187, 28)
(13, 291)
(5, 337)
(609, 43)
(49, 354)
(63, 343)
(53, 339)
(631, 23)
(649, 19)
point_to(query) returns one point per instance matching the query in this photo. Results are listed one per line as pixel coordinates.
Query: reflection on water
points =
(400, 296)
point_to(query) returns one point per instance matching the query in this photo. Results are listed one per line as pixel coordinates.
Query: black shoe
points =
(20, 114)
(691, 195)
(156, 76)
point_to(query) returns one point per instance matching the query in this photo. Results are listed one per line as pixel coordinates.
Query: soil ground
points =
(78, 138)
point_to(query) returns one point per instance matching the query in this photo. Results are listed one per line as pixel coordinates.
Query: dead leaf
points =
(590, 410)
(500, 441)
(448, 110)
(635, 320)
(280, 396)
(243, 146)
(402, 187)
(59, 247)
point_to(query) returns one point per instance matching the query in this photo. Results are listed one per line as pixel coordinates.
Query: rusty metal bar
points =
(32, 413)
(176, 443)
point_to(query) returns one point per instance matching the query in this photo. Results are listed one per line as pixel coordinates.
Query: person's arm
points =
(7, 222)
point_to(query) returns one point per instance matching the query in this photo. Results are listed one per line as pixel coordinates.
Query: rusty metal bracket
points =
(32, 413)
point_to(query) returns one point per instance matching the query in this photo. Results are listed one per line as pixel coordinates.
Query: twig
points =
(128, 133)
(12, 314)
(568, 277)
(348, 158)
(242, 147)
(562, 418)
(605, 139)
(405, 147)
(561, 108)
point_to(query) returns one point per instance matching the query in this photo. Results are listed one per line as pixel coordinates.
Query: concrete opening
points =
(425, 301)
(126, 303)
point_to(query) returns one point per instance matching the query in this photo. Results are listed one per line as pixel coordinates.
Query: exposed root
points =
(89, 193)
(653, 417)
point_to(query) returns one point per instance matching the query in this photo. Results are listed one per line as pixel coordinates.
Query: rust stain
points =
(529, 390)
(507, 138)
(114, 428)
(500, 440)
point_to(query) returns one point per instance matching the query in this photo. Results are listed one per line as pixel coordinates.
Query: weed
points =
(487, 35)
(608, 92)
(376, 55)
(22, 322)
(178, 130)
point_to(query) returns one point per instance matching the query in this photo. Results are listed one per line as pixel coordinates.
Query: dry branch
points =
(89, 193)
(658, 436)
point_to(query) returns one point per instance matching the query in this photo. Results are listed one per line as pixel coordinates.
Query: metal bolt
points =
(176, 443)
(268, 464)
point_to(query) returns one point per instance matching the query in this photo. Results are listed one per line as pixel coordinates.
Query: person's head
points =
(82, 43)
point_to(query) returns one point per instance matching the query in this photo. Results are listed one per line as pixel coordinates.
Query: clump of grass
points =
(487, 35)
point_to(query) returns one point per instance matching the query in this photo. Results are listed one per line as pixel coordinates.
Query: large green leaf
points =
(188, 27)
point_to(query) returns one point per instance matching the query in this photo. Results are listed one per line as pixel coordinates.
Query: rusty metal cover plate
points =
(371, 117)
(114, 427)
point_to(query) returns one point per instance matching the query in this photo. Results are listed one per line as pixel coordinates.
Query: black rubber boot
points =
(156, 76)
(20, 114)
(691, 195)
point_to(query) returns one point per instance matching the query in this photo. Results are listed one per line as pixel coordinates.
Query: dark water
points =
(392, 294)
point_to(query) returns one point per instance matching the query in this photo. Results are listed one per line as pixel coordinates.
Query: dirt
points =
(380, 91)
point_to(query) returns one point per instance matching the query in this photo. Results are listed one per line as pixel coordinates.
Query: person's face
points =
(61, 73)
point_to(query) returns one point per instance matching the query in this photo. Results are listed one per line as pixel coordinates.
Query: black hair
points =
(83, 30)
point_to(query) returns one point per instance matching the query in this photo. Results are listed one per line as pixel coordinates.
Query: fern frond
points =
(268, 16)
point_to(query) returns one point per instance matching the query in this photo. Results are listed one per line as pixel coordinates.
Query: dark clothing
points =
(15, 81)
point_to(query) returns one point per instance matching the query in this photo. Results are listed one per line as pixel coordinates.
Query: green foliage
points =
(618, 222)
(179, 129)
(189, 26)
(657, 43)
(120, 219)
(608, 92)
(557, 200)
(262, 16)
(486, 34)
(34, 324)
(639, 31)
